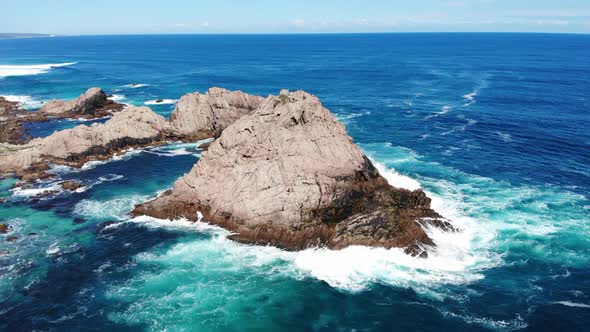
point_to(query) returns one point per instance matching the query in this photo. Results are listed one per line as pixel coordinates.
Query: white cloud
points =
(299, 23)
(552, 13)
(360, 21)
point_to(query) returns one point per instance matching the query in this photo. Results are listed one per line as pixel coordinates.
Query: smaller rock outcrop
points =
(7, 106)
(11, 118)
(71, 185)
(93, 103)
(198, 116)
(90, 105)
(132, 127)
(4, 228)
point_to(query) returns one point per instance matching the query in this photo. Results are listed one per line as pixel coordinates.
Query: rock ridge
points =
(197, 116)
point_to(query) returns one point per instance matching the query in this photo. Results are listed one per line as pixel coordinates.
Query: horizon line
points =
(30, 35)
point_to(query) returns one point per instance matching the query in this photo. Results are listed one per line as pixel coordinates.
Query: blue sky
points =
(295, 16)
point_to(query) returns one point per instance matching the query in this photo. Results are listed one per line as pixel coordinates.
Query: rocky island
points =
(196, 116)
(288, 175)
(282, 170)
(92, 104)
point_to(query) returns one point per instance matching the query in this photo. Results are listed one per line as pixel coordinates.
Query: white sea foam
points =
(24, 70)
(344, 117)
(444, 110)
(470, 97)
(127, 154)
(117, 97)
(52, 250)
(505, 137)
(161, 102)
(26, 102)
(136, 85)
(114, 209)
(469, 122)
(514, 324)
(396, 179)
(88, 120)
(171, 153)
(37, 191)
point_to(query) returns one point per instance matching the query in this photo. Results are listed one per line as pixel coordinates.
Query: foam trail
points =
(444, 110)
(88, 120)
(573, 304)
(25, 70)
(161, 101)
(136, 85)
(505, 137)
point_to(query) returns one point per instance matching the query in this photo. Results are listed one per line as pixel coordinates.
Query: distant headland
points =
(6, 35)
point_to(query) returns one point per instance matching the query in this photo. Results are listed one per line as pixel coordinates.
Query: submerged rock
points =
(289, 175)
(199, 115)
(93, 103)
(71, 185)
(4, 228)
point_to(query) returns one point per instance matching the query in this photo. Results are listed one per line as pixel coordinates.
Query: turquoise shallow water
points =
(491, 126)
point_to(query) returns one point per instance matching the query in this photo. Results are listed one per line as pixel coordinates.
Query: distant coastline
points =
(24, 35)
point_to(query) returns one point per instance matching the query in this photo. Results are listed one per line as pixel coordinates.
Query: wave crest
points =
(25, 70)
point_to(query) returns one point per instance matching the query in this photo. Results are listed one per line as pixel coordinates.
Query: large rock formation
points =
(91, 104)
(133, 127)
(289, 175)
(199, 115)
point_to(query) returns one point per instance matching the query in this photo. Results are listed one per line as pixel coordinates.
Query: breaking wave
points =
(25, 70)
(26, 102)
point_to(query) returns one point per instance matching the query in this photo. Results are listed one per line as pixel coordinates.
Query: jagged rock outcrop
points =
(133, 127)
(90, 105)
(289, 175)
(198, 116)
(11, 128)
(7, 106)
(93, 103)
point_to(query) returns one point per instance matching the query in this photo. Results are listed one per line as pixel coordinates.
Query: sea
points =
(493, 126)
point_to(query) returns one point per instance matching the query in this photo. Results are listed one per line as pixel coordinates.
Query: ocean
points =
(494, 127)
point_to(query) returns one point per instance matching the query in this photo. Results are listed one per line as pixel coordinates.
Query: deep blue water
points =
(493, 126)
